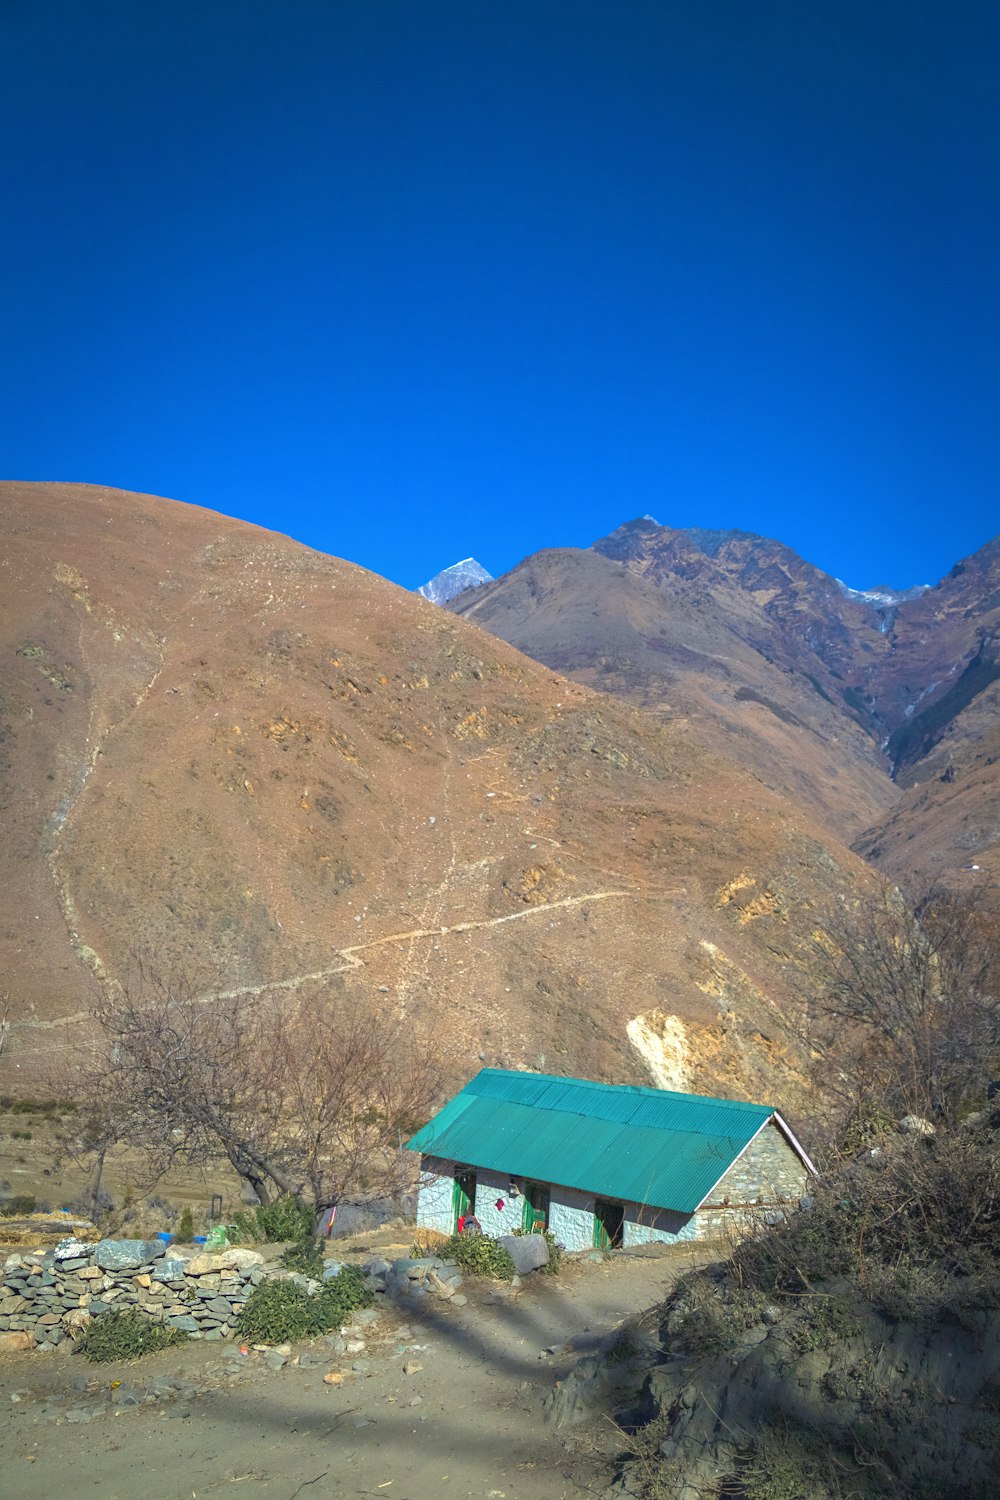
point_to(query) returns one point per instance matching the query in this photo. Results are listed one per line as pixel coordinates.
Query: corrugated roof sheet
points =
(643, 1145)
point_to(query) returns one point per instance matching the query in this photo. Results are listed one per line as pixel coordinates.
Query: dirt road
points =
(203, 1421)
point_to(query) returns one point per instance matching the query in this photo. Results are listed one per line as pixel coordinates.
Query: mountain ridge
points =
(785, 667)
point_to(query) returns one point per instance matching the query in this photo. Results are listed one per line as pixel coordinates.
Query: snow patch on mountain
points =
(881, 597)
(450, 582)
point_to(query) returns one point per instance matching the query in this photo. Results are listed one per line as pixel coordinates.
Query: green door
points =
(463, 1196)
(536, 1208)
(609, 1223)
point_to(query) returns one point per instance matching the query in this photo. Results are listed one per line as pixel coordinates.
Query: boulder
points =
(916, 1125)
(71, 1250)
(242, 1260)
(527, 1251)
(127, 1255)
(415, 1269)
(16, 1343)
(358, 1218)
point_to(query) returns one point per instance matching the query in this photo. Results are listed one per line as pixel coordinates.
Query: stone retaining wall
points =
(48, 1296)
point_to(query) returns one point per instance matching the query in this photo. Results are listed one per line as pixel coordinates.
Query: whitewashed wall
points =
(490, 1188)
(571, 1218)
(435, 1203)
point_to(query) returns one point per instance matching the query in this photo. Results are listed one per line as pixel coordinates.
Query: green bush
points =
(127, 1335)
(285, 1219)
(305, 1256)
(278, 1310)
(478, 1255)
(185, 1228)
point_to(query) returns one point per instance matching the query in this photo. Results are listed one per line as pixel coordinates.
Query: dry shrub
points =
(912, 1229)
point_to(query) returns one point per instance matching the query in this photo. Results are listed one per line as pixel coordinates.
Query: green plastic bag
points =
(217, 1238)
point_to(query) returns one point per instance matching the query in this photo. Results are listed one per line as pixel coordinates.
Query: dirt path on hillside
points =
(210, 1423)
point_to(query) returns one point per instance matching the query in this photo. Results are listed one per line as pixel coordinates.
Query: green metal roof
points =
(641, 1145)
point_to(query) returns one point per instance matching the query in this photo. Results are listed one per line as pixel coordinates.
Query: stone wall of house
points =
(768, 1172)
(766, 1179)
(48, 1296)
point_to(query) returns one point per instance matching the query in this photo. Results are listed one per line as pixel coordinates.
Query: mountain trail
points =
(352, 962)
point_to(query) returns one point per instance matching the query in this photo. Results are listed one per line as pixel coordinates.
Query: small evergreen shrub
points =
(478, 1255)
(278, 1310)
(341, 1296)
(127, 1335)
(275, 1311)
(185, 1228)
(305, 1256)
(285, 1219)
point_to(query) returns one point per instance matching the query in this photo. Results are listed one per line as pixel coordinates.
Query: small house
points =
(602, 1165)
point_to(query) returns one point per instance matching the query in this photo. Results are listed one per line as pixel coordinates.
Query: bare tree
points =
(908, 1006)
(300, 1096)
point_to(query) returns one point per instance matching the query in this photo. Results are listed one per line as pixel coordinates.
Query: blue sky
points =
(415, 280)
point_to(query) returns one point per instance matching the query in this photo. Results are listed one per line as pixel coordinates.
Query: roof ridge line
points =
(647, 1090)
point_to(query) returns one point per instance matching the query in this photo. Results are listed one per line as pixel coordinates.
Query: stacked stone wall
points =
(49, 1296)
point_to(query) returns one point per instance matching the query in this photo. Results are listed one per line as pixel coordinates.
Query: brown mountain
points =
(745, 641)
(939, 691)
(221, 747)
(837, 699)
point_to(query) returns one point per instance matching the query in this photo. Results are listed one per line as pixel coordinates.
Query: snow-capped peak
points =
(882, 597)
(451, 582)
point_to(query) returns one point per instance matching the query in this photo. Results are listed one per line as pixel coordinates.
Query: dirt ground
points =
(468, 1421)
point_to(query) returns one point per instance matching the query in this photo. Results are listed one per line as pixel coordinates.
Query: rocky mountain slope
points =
(848, 702)
(226, 750)
(940, 691)
(670, 629)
